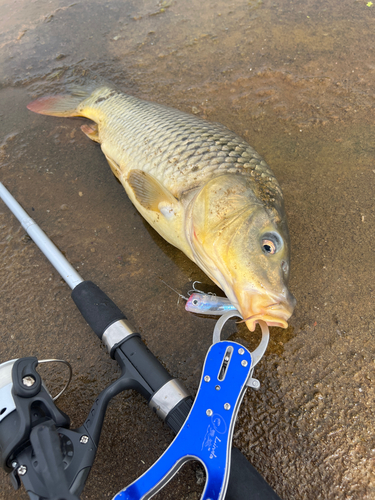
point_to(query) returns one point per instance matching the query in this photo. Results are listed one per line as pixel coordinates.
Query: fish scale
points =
(202, 187)
(159, 143)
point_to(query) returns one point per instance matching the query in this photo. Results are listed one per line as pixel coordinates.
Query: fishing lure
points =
(204, 303)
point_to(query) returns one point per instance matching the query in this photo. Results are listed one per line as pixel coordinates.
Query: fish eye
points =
(271, 243)
(269, 246)
(195, 301)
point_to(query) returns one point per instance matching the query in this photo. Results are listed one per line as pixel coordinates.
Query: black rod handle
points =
(96, 307)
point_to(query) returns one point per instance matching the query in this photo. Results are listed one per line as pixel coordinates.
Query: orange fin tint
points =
(59, 105)
(91, 131)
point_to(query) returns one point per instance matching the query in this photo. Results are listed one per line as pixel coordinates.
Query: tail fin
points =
(59, 105)
(82, 101)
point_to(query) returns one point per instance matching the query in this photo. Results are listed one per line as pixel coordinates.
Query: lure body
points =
(211, 305)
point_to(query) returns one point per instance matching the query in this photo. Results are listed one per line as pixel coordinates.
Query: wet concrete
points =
(296, 80)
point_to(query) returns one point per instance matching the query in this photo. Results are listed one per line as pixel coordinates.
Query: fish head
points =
(241, 241)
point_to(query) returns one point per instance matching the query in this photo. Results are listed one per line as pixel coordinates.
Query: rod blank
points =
(53, 254)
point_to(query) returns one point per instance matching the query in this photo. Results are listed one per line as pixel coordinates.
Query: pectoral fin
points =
(91, 131)
(159, 207)
(152, 195)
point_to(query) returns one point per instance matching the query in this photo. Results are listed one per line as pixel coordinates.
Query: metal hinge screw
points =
(254, 383)
(84, 439)
(207, 378)
(209, 413)
(227, 406)
(28, 381)
(244, 362)
(241, 351)
(22, 469)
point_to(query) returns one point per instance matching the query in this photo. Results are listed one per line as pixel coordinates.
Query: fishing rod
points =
(37, 446)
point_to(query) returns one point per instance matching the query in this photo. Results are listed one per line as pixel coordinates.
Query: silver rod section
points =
(53, 254)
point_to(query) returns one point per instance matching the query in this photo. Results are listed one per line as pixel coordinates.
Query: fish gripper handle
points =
(206, 435)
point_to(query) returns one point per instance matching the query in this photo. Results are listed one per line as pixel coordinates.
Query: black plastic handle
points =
(46, 445)
(245, 482)
(96, 307)
(145, 367)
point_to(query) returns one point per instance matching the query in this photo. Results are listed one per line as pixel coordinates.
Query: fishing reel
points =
(36, 444)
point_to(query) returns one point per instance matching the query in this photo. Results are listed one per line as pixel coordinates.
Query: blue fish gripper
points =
(206, 435)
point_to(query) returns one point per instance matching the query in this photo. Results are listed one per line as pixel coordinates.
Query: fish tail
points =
(72, 104)
(58, 105)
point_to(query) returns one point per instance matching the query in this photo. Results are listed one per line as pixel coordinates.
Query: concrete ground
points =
(295, 79)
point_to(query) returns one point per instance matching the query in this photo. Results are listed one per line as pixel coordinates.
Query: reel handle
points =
(45, 441)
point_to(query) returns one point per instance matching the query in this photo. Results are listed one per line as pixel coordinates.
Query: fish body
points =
(202, 187)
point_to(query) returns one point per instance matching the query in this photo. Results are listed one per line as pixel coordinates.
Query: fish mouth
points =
(273, 314)
(251, 322)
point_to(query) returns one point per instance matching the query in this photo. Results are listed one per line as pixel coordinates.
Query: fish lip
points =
(277, 316)
(270, 321)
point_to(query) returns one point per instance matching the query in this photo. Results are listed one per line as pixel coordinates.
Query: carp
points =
(201, 187)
